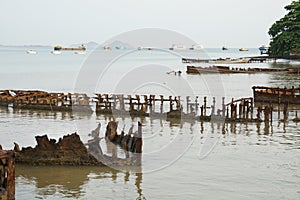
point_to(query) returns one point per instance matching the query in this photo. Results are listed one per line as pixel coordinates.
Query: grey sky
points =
(212, 23)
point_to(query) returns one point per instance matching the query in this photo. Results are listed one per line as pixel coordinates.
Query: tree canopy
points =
(285, 33)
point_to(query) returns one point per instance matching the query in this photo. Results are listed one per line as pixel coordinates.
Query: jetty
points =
(154, 106)
(233, 70)
(250, 59)
(216, 61)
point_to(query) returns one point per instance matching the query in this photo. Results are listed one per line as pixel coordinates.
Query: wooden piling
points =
(204, 105)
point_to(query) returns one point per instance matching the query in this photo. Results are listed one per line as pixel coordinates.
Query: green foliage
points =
(285, 33)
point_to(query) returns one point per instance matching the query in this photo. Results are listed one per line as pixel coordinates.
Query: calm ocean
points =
(187, 160)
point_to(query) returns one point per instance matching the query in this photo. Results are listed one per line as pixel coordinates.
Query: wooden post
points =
(271, 113)
(70, 99)
(122, 103)
(161, 103)
(258, 113)
(213, 107)
(266, 114)
(240, 110)
(138, 101)
(114, 101)
(187, 103)
(178, 103)
(204, 104)
(106, 101)
(171, 103)
(227, 115)
(246, 108)
(152, 103)
(223, 106)
(196, 104)
(285, 112)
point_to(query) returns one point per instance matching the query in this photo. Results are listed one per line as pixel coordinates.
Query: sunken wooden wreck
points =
(276, 95)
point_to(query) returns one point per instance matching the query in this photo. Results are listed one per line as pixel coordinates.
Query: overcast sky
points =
(212, 23)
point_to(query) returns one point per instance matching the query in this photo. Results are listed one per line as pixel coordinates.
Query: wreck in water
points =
(276, 95)
(70, 150)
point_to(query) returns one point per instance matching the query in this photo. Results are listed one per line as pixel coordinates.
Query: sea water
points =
(185, 159)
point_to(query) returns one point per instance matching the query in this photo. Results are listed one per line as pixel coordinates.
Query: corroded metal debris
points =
(7, 174)
(69, 150)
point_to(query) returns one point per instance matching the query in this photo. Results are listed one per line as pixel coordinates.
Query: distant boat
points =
(263, 49)
(60, 48)
(55, 52)
(31, 52)
(80, 52)
(224, 48)
(243, 49)
(177, 47)
(106, 48)
(196, 47)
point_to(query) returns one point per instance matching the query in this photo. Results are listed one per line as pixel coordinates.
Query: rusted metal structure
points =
(276, 95)
(7, 174)
(131, 143)
(154, 106)
(28, 99)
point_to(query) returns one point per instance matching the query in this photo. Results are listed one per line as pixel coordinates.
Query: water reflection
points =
(73, 182)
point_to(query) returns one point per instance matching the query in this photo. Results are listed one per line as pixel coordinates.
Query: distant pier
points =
(251, 59)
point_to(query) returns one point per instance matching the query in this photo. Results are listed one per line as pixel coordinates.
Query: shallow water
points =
(190, 160)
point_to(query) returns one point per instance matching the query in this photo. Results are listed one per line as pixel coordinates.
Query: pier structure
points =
(53, 101)
(200, 108)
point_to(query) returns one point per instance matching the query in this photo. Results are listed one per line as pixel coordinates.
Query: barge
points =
(60, 48)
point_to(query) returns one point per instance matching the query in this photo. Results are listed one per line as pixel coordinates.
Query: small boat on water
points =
(263, 49)
(56, 52)
(276, 95)
(196, 47)
(243, 49)
(224, 48)
(31, 52)
(177, 47)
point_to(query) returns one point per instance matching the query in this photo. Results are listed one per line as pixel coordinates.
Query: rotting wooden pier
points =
(7, 174)
(53, 101)
(154, 106)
